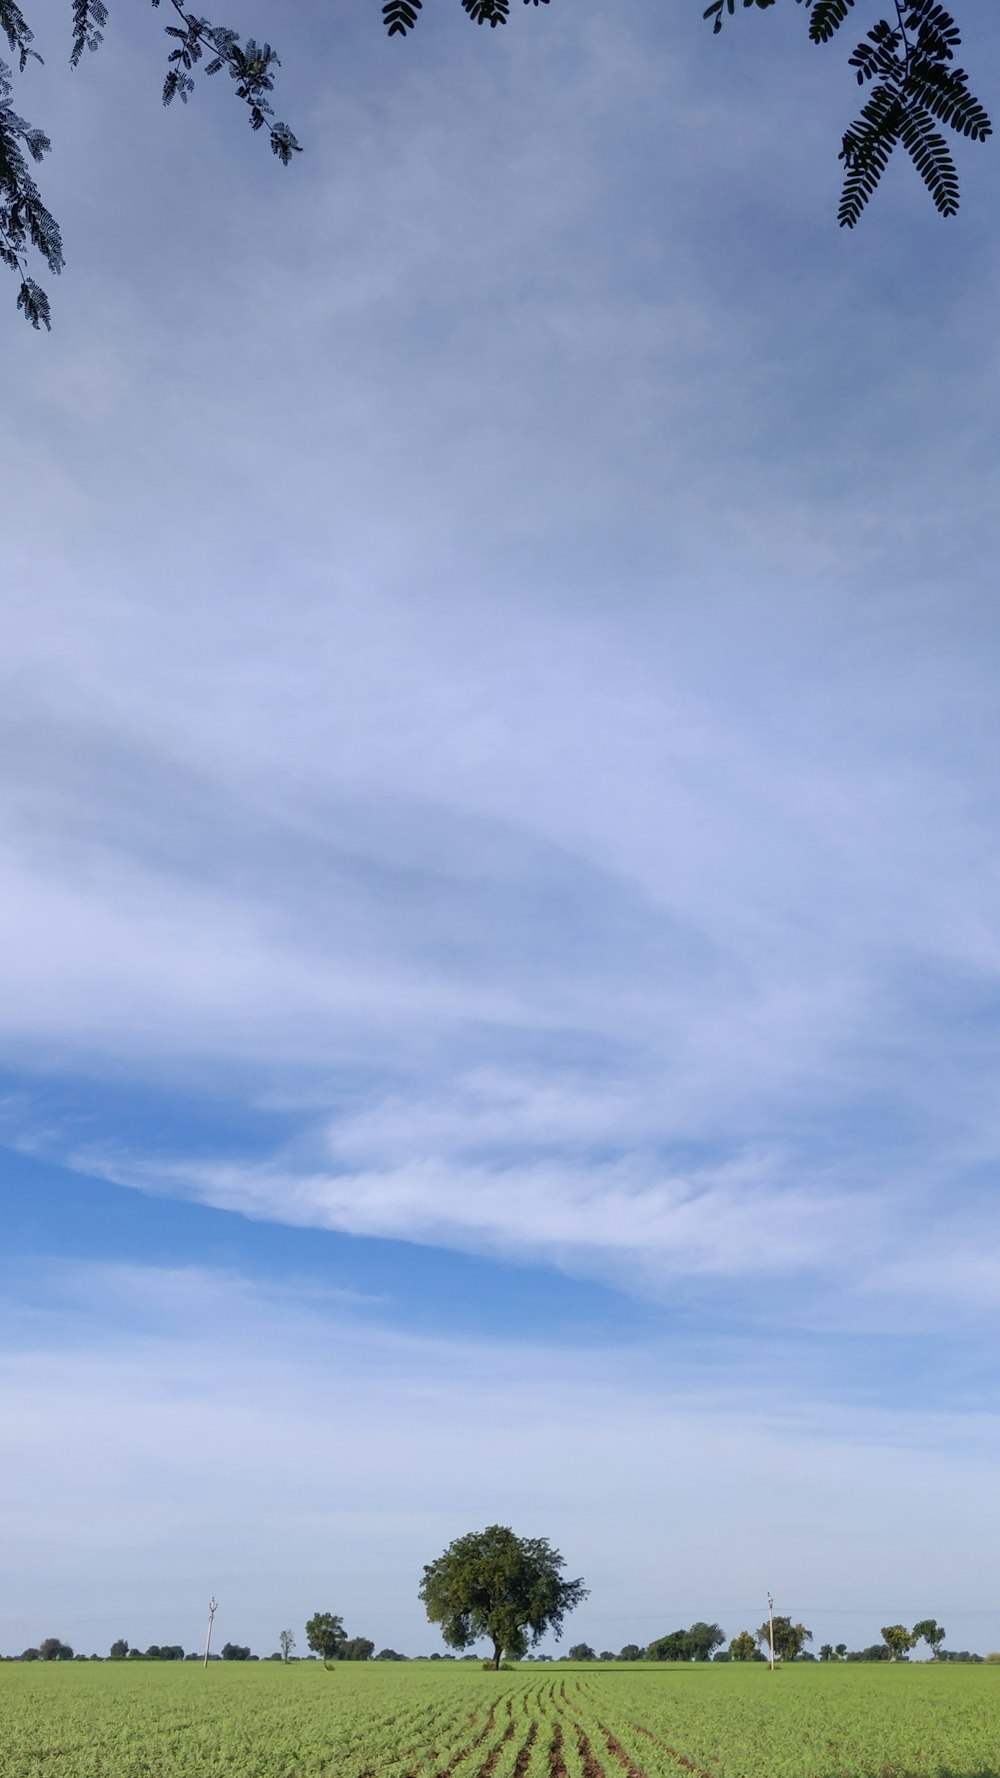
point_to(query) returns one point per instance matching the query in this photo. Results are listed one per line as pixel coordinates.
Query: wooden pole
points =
(213, 1606)
(770, 1627)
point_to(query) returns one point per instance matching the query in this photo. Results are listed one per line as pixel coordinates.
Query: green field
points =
(138, 1720)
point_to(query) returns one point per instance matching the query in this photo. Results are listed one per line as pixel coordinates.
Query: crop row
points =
(458, 1722)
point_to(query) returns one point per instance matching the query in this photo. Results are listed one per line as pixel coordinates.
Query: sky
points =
(500, 1015)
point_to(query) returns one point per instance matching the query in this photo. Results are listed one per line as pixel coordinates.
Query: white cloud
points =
(620, 1218)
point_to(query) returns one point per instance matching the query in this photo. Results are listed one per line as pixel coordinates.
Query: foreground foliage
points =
(907, 59)
(74, 1720)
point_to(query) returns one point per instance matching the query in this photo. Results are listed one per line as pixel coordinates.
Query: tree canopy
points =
(356, 1648)
(906, 60)
(930, 1631)
(744, 1647)
(696, 1644)
(325, 1635)
(495, 1585)
(789, 1639)
(898, 1640)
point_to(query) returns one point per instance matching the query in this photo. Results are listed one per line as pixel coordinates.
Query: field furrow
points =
(454, 1720)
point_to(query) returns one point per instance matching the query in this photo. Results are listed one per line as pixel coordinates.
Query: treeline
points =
(706, 1642)
(356, 1648)
(327, 1640)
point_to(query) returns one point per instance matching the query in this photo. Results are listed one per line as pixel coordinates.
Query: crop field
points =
(438, 1720)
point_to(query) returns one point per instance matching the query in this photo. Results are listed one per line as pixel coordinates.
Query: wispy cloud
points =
(499, 720)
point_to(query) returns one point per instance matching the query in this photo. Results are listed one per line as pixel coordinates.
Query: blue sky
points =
(499, 782)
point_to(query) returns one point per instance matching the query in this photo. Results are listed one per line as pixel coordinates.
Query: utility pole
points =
(213, 1606)
(770, 1627)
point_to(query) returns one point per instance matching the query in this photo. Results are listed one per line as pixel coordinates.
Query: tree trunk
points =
(497, 1652)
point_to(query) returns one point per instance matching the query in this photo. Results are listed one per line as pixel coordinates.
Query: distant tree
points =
(840, 1650)
(287, 1642)
(493, 1584)
(898, 1640)
(172, 1651)
(789, 1638)
(389, 1654)
(233, 1652)
(118, 1650)
(31, 1654)
(52, 1649)
(631, 1652)
(581, 1651)
(153, 1652)
(695, 1644)
(357, 1648)
(826, 1652)
(606, 1654)
(929, 1630)
(672, 1647)
(325, 1635)
(136, 1654)
(702, 1640)
(743, 1647)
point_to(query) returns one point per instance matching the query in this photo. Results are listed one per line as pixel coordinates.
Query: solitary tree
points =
(906, 60)
(53, 1649)
(898, 1640)
(325, 1635)
(581, 1651)
(631, 1652)
(493, 1584)
(743, 1647)
(286, 1642)
(930, 1631)
(789, 1639)
(234, 1651)
(118, 1649)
